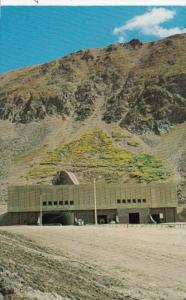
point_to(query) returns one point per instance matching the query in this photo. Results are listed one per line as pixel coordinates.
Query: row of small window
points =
(56, 203)
(119, 201)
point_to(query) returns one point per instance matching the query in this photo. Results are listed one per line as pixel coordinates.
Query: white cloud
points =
(150, 23)
(121, 39)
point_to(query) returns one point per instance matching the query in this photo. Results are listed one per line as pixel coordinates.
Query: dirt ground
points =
(111, 262)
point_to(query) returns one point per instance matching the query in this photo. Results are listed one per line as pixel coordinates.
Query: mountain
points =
(117, 111)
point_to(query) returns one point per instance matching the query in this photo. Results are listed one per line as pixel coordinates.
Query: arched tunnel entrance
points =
(64, 218)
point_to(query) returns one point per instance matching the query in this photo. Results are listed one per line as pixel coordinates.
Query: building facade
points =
(66, 204)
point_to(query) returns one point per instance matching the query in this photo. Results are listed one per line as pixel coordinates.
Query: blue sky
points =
(32, 35)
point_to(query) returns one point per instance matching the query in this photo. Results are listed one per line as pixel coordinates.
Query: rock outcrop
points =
(143, 86)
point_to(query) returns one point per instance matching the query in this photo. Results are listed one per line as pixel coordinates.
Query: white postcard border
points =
(93, 2)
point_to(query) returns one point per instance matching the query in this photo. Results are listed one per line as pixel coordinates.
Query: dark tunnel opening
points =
(63, 218)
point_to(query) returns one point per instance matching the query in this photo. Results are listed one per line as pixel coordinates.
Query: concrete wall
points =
(123, 215)
(19, 218)
(109, 196)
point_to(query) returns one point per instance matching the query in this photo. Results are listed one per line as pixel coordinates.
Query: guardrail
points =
(160, 225)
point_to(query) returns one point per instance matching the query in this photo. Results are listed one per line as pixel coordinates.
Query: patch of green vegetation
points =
(40, 172)
(145, 167)
(118, 135)
(133, 143)
(96, 152)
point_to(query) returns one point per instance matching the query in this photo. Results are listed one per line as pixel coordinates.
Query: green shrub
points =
(132, 143)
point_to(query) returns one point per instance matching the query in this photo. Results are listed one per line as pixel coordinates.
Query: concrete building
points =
(66, 204)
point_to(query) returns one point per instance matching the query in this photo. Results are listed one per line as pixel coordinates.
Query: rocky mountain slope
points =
(127, 102)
